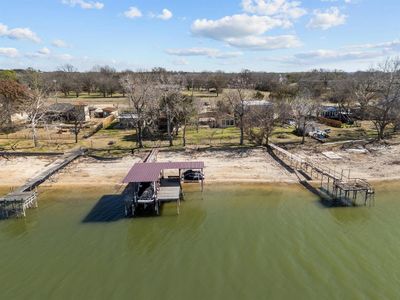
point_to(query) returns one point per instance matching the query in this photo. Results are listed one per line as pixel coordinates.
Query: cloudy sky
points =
(229, 35)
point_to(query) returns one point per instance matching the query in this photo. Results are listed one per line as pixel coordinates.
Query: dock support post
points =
(202, 180)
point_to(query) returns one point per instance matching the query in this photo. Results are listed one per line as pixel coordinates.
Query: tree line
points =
(295, 97)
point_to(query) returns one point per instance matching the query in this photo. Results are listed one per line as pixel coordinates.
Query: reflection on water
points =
(109, 208)
(231, 242)
(358, 215)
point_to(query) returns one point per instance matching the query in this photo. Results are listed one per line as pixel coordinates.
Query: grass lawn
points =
(116, 141)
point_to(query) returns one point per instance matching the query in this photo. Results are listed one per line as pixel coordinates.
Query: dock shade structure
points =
(150, 172)
(148, 187)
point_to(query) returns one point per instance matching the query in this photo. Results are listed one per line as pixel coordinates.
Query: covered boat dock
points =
(148, 186)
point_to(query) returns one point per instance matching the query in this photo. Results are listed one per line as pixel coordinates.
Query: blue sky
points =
(229, 35)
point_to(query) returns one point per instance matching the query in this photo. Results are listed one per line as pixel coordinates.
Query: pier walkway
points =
(16, 202)
(336, 185)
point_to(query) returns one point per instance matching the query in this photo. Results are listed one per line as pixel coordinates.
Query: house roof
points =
(150, 172)
(257, 103)
(329, 108)
(61, 107)
(110, 109)
(128, 116)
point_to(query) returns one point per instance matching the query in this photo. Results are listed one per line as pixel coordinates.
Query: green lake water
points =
(231, 242)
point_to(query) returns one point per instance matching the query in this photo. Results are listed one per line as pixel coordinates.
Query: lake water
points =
(231, 242)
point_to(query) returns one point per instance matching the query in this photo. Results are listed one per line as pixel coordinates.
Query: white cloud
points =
(327, 19)
(235, 26)
(18, 33)
(133, 12)
(9, 52)
(337, 55)
(208, 52)
(265, 42)
(41, 53)
(281, 8)
(46, 54)
(165, 15)
(84, 4)
(391, 45)
(60, 44)
(44, 51)
(353, 53)
(244, 31)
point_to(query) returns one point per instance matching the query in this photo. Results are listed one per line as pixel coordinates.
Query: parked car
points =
(191, 175)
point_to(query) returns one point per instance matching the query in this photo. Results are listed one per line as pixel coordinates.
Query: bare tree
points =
(237, 98)
(35, 104)
(77, 83)
(169, 103)
(186, 111)
(302, 108)
(141, 92)
(88, 82)
(77, 125)
(169, 90)
(363, 91)
(260, 123)
(341, 93)
(66, 74)
(384, 109)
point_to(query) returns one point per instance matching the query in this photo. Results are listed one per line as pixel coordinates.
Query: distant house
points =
(335, 113)
(330, 112)
(105, 112)
(208, 121)
(215, 119)
(67, 112)
(257, 103)
(127, 120)
(225, 120)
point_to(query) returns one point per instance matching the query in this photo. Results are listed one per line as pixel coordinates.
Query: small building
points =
(225, 121)
(105, 112)
(67, 112)
(330, 112)
(127, 120)
(215, 119)
(208, 121)
(336, 113)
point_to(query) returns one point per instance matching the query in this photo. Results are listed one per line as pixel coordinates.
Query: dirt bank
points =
(236, 165)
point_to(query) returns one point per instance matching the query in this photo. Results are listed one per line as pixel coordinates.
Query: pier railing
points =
(338, 185)
(16, 202)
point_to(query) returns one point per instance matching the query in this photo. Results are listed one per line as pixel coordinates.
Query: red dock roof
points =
(149, 172)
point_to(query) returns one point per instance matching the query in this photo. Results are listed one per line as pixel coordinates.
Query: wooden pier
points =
(16, 204)
(24, 197)
(337, 185)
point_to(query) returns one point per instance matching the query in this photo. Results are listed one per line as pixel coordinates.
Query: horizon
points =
(276, 36)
